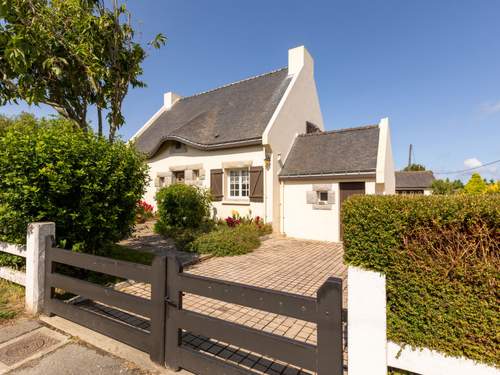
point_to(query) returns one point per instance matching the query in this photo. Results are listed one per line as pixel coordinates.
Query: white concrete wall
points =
(368, 348)
(299, 104)
(366, 324)
(164, 160)
(430, 362)
(300, 220)
(427, 191)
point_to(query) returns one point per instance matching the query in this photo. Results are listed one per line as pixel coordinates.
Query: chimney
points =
(299, 58)
(169, 99)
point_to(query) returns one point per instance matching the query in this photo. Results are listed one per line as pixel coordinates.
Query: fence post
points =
(329, 328)
(158, 294)
(35, 264)
(173, 302)
(366, 326)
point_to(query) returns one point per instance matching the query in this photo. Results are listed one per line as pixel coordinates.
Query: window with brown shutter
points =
(257, 184)
(216, 185)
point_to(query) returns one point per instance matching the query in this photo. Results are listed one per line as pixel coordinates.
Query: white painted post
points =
(366, 325)
(35, 264)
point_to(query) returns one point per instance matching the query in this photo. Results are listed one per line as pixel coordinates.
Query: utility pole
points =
(409, 154)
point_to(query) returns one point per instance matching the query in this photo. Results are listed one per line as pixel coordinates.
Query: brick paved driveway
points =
(289, 265)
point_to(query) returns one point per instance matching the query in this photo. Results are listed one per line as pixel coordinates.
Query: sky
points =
(432, 67)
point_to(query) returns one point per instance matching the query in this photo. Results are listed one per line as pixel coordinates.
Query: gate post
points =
(329, 328)
(36, 238)
(158, 293)
(173, 302)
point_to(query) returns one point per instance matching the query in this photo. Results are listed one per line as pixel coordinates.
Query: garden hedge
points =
(441, 258)
(52, 171)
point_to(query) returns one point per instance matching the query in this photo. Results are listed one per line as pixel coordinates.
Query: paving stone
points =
(75, 359)
(17, 328)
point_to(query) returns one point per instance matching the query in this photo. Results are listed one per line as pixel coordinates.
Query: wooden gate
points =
(154, 308)
(326, 358)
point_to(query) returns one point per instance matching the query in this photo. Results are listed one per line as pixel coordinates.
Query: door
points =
(346, 190)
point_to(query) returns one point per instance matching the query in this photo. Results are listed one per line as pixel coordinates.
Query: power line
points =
(469, 169)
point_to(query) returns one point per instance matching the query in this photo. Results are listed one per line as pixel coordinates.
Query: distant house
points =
(259, 145)
(414, 182)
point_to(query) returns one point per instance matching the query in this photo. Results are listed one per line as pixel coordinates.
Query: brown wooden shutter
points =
(216, 185)
(256, 184)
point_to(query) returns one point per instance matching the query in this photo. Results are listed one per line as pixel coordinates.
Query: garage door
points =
(346, 190)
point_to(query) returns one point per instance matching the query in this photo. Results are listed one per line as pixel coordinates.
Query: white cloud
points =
(472, 163)
(489, 171)
(490, 108)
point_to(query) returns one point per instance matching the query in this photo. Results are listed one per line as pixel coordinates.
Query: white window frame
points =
(240, 180)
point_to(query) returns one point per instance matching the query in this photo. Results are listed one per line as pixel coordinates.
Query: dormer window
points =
(177, 145)
(311, 128)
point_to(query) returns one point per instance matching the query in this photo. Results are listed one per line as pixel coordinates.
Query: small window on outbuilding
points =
(322, 197)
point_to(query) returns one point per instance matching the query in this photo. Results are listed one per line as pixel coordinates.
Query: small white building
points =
(259, 145)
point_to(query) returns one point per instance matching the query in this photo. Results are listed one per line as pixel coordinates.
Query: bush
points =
(440, 255)
(227, 241)
(52, 171)
(182, 206)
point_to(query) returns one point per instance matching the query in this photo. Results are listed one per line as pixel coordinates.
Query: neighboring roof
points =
(414, 180)
(238, 112)
(342, 151)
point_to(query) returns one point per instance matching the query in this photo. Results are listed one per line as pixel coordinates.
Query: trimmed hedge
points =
(228, 241)
(52, 171)
(441, 258)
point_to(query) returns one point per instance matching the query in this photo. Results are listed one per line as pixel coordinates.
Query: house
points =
(259, 144)
(414, 182)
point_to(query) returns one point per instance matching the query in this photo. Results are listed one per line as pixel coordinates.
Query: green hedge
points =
(51, 171)
(441, 258)
(228, 241)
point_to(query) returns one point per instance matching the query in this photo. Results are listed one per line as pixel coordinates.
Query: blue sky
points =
(432, 67)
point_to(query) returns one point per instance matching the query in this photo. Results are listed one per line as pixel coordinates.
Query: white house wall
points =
(386, 177)
(302, 220)
(164, 160)
(299, 104)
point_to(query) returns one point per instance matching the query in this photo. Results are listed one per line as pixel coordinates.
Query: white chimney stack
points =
(299, 58)
(169, 99)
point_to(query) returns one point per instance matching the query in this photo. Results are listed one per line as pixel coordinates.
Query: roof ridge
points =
(344, 130)
(234, 83)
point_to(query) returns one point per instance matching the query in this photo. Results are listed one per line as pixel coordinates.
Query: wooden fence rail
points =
(326, 358)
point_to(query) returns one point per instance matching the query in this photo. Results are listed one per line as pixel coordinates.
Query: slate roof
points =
(334, 152)
(238, 112)
(414, 180)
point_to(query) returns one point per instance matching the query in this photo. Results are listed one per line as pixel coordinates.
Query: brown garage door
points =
(346, 190)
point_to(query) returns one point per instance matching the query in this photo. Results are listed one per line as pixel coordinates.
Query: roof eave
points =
(334, 175)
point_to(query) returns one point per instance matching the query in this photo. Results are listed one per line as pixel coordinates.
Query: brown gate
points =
(153, 309)
(325, 358)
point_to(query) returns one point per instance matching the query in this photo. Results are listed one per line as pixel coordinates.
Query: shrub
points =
(52, 171)
(182, 206)
(440, 255)
(227, 241)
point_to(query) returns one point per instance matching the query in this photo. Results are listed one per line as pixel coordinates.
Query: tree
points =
(447, 187)
(414, 167)
(475, 185)
(71, 55)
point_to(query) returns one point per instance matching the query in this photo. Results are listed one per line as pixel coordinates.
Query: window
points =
(178, 145)
(322, 197)
(179, 177)
(162, 181)
(239, 183)
(196, 174)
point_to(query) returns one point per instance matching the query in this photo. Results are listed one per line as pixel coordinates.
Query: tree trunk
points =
(99, 121)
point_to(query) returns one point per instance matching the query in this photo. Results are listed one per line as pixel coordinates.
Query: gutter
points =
(341, 175)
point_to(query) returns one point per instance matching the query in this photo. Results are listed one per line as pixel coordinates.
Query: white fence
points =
(34, 252)
(368, 348)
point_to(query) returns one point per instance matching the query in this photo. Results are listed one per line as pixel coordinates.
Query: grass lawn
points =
(11, 300)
